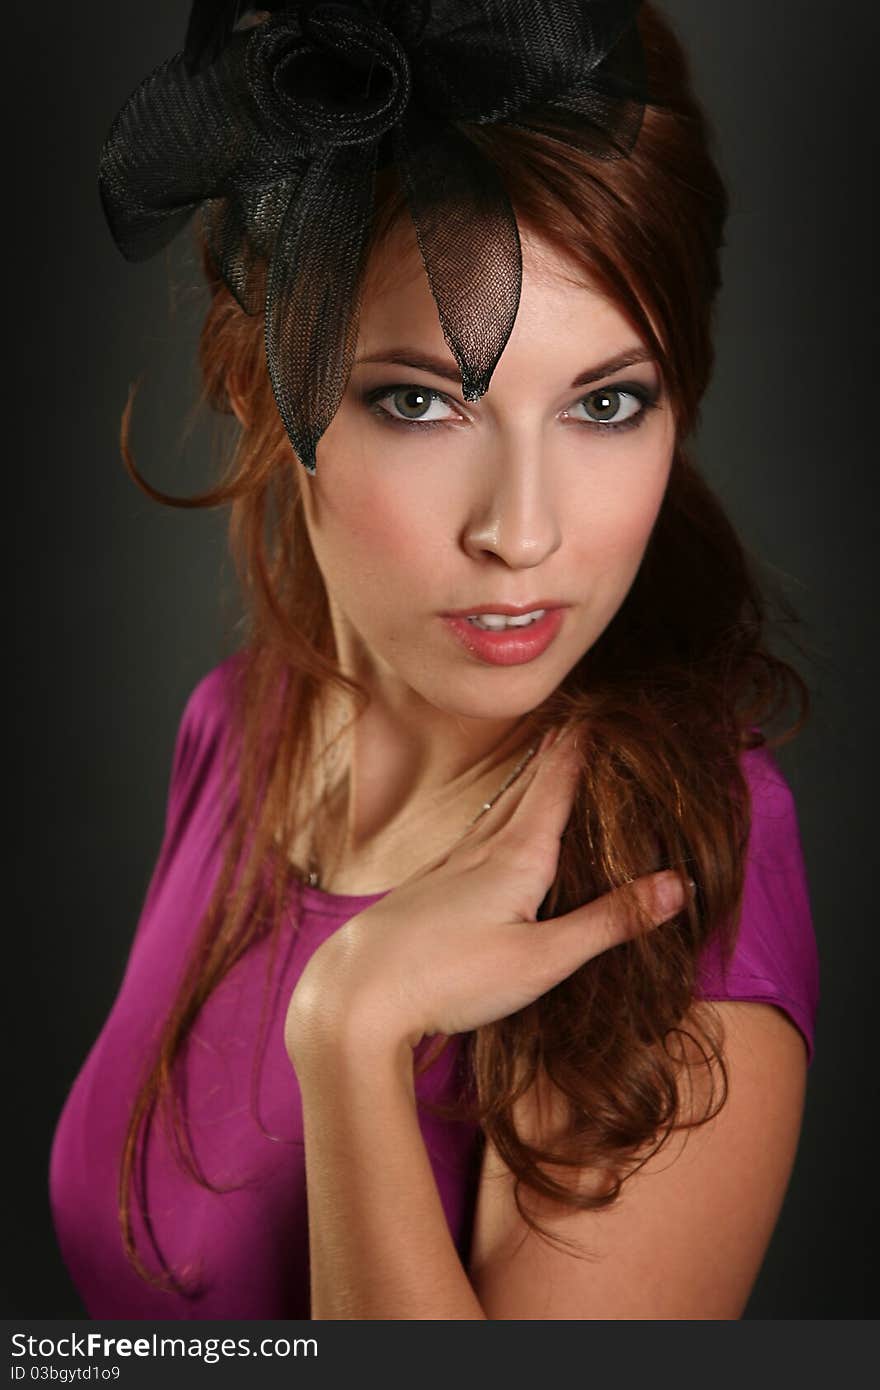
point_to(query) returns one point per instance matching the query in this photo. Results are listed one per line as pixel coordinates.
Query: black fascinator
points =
(274, 120)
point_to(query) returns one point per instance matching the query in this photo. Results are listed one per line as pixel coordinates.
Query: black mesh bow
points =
(276, 130)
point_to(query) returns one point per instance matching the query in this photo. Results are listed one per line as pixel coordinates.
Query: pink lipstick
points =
(484, 633)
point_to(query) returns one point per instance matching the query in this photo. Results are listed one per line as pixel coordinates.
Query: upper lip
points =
(512, 610)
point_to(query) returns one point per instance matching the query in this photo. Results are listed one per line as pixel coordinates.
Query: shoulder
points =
(772, 799)
(203, 756)
(689, 1232)
(209, 704)
(197, 802)
(775, 960)
(206, 718)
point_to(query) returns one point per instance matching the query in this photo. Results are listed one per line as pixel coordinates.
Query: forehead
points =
(556, 292)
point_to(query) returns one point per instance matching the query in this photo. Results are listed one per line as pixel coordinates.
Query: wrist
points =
(344, 1039)
(328, 1024)
(339, 1056)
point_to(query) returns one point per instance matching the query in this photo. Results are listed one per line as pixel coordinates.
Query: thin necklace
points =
(313, 874)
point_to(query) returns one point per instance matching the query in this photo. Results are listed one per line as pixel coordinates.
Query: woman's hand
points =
(458, 945)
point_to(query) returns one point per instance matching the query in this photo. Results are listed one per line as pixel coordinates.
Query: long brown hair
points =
(680, 682)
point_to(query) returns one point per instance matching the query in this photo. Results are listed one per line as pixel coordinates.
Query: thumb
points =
(545, 792)
(615, 917)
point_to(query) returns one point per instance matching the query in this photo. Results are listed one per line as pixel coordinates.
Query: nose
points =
(514, 518)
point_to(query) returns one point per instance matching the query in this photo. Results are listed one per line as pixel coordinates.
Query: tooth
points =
(498, 622)
(526, 618)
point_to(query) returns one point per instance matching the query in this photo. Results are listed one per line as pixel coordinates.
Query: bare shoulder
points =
(688, 1234)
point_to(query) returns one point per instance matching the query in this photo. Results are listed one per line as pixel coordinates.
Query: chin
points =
(499, 693)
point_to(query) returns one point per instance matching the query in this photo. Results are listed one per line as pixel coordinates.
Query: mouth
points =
(496, 617)
(498, 622)
(507, 634)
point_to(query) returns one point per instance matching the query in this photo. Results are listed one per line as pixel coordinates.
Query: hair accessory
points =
(276, 121)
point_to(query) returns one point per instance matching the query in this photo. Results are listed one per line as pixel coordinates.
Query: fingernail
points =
(668, 894)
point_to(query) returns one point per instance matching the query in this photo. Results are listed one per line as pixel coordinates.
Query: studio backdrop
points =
(120, 606)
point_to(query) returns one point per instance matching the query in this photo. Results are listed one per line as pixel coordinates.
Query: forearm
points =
(380, 1246)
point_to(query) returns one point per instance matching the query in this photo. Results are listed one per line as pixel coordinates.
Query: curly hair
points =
(678, 685)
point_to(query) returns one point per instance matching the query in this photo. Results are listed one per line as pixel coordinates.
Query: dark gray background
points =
(119, 605)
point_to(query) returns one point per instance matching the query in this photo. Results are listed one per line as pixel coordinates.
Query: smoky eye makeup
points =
(611, 407)
(413, 402)
(618, 405)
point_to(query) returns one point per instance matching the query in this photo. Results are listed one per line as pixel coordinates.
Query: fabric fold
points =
(468, 237)
(313, 293)
(275, 118)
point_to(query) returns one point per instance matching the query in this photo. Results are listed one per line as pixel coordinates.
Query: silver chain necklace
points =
(313, 874)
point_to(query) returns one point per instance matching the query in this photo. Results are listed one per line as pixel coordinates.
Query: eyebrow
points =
(441, 366)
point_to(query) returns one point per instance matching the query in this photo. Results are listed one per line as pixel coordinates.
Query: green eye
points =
(412, 402)
(605, 404)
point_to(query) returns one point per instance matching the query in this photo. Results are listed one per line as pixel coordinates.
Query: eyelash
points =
(647, 398)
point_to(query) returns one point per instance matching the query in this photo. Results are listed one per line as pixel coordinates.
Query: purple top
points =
(249, 1245)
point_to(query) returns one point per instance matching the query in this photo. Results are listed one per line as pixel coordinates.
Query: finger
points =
(587, 931)
(547, 798)
(551, 798)
(553, 808)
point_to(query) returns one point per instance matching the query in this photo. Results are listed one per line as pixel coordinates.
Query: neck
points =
(409, 779)
(399, 765)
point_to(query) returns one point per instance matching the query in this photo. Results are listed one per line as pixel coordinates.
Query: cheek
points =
(372, 533)
(614, 521)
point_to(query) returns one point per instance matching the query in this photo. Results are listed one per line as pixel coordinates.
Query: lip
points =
(513, 647)
(510, 610)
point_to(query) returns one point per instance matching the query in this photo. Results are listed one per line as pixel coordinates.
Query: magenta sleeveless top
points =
(243, 1252)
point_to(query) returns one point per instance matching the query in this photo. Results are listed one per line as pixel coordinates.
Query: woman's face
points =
(540, 496)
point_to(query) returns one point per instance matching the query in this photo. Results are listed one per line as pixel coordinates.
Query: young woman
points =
(476, 977)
